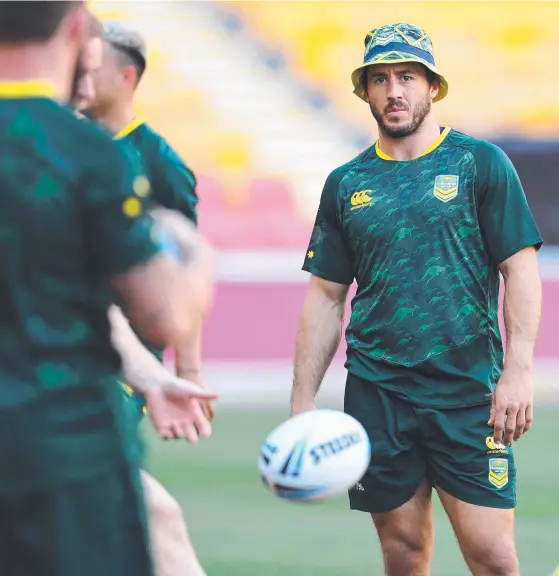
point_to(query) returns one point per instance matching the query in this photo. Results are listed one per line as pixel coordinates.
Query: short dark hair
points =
(129, 57)
(32, 21)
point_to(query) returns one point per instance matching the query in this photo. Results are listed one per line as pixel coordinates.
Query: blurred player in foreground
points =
(424, 221)
(73, 234)
(124, 63)
(112, 72)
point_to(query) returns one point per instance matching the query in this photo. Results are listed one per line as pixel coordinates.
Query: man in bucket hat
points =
(424, 221)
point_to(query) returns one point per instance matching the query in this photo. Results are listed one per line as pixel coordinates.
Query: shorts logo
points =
(361, 199)
(446, 187)
(495, 447)
(498, 472)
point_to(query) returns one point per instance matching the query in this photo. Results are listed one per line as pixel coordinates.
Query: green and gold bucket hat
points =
(395, 44)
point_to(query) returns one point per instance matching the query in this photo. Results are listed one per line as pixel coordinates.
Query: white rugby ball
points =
(314, 456)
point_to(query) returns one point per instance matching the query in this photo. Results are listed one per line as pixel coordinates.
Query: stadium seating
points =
(261, 146)
(495, 55)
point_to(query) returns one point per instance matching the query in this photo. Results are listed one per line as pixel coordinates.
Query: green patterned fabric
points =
(396, 44)
(173, 183)
(71, 218)
(423, 239)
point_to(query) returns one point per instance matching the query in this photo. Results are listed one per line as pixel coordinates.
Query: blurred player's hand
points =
(512, 406)
(196, 376)
(176, 412)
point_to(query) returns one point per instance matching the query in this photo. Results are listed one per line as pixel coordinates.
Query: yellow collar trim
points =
(28, 89)
(136, 123)
(432, 147)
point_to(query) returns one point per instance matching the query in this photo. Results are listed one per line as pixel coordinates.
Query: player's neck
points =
(412, 146)
(117, 118)
(36, 62)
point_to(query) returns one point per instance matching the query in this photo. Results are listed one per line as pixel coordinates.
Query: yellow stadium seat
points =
(492, 53)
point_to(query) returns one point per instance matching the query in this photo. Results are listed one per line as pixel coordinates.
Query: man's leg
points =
(485, 535)
(476, 481)
(394, 490)
(171, 549)
(406, 535)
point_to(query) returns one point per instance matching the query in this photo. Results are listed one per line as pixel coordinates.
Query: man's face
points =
(108, 81)
(400, 97)
(90, 62)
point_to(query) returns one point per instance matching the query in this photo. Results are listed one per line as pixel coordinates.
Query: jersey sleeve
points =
(327, 254)
(506, 220)
(120, 234)
(175, 182)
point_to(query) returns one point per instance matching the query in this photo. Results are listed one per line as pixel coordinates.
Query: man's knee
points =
(406, 535)
(493, 559)
(406, 552)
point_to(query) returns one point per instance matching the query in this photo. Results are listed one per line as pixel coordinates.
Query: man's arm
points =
(318, 338)
(522, 308)
(167, 296)
(157, 264)
(522, 313)
(511, 239)
(329, 261)
(141, 369)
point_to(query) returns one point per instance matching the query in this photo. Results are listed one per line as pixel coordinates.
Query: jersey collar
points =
(28, 89)
(432, 147)
(128, 129)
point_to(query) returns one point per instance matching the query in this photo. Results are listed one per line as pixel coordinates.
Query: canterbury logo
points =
(492, 445)
(361, 199)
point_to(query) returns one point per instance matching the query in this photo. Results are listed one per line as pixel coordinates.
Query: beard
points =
(419, 112)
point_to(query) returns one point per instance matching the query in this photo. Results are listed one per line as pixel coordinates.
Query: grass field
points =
(239, 528)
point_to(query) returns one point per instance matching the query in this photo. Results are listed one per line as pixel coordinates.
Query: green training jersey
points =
(173, 183)
(71, 217)
(424, 239)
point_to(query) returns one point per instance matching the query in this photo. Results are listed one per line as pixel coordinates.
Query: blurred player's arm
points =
(141, 369)
(320, 325)
(157, 264)
(167, 297)
(176, 186)
(512, 239)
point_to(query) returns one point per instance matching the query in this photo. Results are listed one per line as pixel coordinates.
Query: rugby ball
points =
(314, 456)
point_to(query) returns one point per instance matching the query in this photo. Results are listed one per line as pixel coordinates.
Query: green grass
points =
(239, 528)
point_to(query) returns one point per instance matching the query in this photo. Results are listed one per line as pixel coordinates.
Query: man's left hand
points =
(512, 406)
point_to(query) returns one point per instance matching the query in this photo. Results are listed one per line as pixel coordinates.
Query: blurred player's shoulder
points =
(154, 144)
(71, 145)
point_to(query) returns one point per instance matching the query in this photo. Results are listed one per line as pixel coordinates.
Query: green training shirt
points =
(424, 239)
(173, 183)
(71, 217)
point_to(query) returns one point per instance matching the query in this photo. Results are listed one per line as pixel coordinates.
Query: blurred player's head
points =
(123, 65)
(43, 39)
(83, 89)
(398, 78)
